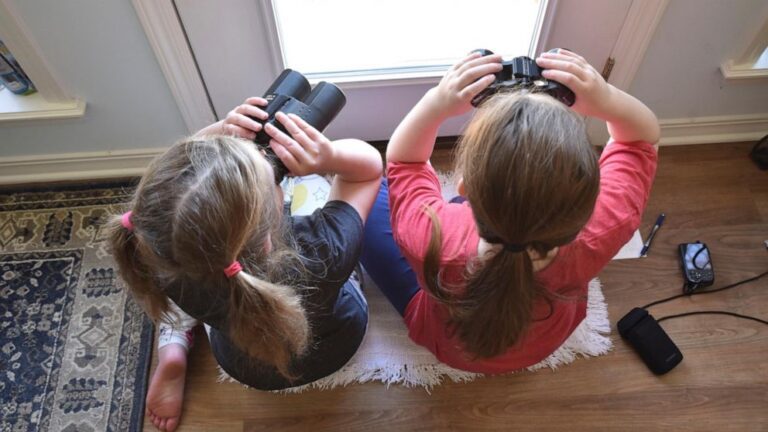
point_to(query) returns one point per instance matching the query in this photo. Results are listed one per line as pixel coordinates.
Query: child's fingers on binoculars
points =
(475, 73)
(493, 60)
(470, 56)
(252, 111)
(476, 87)
(566, 58)
(288, 159)
(291, 127)
(296, 147)
(277, 135)
(570, 54)
(306, 127)
(569, 67)
(244, 121)
(567, 79)
(255, 100)
(300, 135)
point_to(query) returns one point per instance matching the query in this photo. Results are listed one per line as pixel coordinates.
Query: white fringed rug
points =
(387, 354)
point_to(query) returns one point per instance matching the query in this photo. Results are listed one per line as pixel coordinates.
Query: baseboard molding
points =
(76, 166)
(709, 130)
(129, 163)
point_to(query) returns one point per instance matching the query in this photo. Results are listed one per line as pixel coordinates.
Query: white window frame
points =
(741, 67)
(166, 35)
(52, 100)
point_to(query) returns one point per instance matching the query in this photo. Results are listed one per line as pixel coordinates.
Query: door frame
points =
(168, 40)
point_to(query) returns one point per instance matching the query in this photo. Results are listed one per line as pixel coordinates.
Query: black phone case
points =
(650, 341)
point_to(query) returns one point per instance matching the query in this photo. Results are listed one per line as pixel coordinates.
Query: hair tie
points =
(233, 269)
(514, 247)
(125, 220)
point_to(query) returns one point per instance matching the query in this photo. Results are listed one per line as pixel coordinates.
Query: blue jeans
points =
(382, 258)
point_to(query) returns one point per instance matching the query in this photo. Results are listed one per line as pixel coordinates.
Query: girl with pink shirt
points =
(498, 282)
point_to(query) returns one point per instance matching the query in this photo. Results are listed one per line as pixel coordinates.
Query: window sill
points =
(363, 80)
(15, 108)
(732, 72)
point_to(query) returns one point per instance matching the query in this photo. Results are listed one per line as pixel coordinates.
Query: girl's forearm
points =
(629, 120)
(355, 161)
(414, 138)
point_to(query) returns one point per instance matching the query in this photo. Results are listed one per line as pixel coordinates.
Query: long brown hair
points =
(203, 204)
(531, 178)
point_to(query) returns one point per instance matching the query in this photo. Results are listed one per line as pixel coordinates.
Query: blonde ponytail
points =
(268, 320)
(200, 206)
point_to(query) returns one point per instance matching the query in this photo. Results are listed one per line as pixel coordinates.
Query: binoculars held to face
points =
(290, 93)
(522, 73)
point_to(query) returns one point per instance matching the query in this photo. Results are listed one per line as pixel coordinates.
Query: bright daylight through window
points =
(367, 37)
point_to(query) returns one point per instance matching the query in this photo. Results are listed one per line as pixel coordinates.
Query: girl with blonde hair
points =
(205, 239)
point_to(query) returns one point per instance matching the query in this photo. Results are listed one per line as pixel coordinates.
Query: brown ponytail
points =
(532, 179)
(203, 204)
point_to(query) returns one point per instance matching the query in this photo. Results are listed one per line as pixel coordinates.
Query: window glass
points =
(359, 37)
(762, 61)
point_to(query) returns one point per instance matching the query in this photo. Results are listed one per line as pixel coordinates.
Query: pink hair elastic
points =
(125, 219)
(233, 269)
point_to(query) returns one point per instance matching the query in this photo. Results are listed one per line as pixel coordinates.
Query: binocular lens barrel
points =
(290, 93)
(327, 100)
(289, 83)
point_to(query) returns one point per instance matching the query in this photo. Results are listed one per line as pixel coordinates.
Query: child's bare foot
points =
(166, 390)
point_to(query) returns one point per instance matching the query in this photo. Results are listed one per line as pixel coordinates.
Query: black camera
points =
(697, 266)
(290, 93)
(523, 73)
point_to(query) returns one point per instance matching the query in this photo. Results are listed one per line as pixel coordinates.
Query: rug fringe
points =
(590, 339)
(422, 375)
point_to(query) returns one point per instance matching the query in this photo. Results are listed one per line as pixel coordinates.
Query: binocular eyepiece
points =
(290, 93)
(523, 73)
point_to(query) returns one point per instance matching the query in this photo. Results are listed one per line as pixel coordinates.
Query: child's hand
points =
(306, 151)
(462, 82)
(628, 119)
(240, 121)
(592, 92)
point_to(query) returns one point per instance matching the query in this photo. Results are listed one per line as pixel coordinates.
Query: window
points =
(762, 61)
(320, 39)
(12, 76)
(49, 100)
(753, 61)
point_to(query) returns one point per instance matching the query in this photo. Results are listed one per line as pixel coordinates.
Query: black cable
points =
(714, 312)
(733, 285)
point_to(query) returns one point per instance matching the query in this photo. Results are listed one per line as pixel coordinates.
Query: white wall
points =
(98, 51)
(680, 76)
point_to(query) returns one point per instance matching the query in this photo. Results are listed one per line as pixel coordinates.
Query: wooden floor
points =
(711, 193)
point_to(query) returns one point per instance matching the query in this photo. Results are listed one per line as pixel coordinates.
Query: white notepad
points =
(632, 248)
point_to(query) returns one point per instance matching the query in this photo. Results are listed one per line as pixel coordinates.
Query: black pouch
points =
(650, 341)
(759, 153)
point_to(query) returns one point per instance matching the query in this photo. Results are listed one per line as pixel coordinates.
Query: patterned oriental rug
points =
(74, 349)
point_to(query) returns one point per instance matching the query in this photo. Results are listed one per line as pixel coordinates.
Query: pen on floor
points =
(656, 226)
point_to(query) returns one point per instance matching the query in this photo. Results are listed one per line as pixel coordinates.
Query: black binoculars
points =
(290, 93)
(523, 73)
